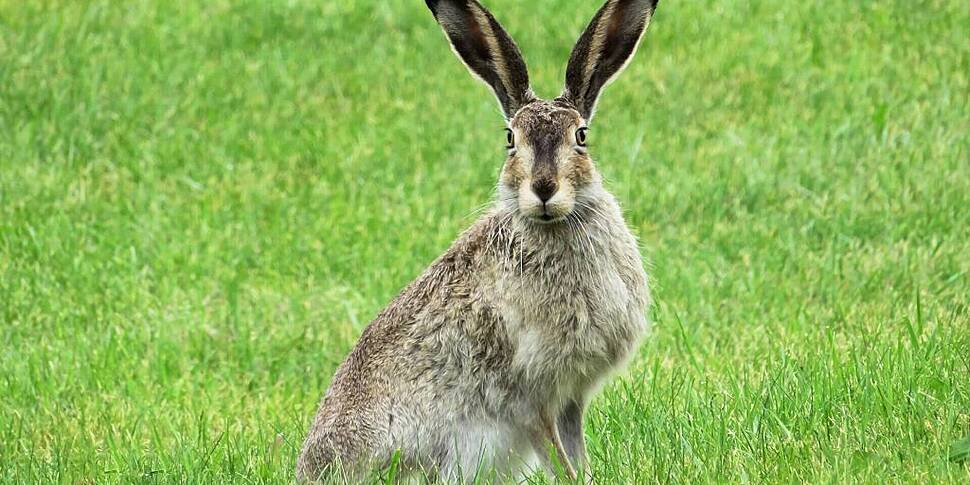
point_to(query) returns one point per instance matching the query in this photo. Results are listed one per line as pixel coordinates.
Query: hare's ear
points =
(604, 49)
(487, 50)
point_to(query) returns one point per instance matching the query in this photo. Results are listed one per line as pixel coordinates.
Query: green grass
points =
(202, 203)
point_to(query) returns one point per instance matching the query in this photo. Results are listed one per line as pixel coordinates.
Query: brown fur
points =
(491, 356)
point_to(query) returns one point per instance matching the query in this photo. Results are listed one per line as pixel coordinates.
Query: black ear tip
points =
(433, 4)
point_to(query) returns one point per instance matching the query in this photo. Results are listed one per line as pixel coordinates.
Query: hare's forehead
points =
(543, 118)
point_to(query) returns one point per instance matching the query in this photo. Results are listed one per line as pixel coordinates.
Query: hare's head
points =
(548, 171)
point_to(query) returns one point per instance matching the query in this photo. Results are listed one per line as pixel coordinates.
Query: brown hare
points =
(486, 362)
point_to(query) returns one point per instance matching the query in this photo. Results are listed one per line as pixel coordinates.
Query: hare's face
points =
(548, 169)
(548, 166)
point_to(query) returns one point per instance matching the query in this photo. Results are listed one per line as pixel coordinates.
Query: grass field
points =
(202, 203)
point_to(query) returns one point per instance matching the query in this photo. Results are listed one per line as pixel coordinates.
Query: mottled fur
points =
(489, 358)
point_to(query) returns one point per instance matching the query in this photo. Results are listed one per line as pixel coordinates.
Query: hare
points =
(486, 362)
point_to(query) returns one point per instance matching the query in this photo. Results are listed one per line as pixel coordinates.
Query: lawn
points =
(202, 204)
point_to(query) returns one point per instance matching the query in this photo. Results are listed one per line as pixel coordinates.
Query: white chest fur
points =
(581, 314)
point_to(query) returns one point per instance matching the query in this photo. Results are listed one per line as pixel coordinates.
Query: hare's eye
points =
(509, 138)
(581, 136)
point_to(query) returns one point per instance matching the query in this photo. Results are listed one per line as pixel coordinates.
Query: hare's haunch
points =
(485, 363)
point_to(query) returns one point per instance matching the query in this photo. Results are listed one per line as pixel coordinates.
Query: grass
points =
(202, 203)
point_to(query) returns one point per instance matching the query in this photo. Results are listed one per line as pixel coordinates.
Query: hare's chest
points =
(572, 325)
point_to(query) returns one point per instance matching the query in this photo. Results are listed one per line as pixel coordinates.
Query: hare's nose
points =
(544, 189)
